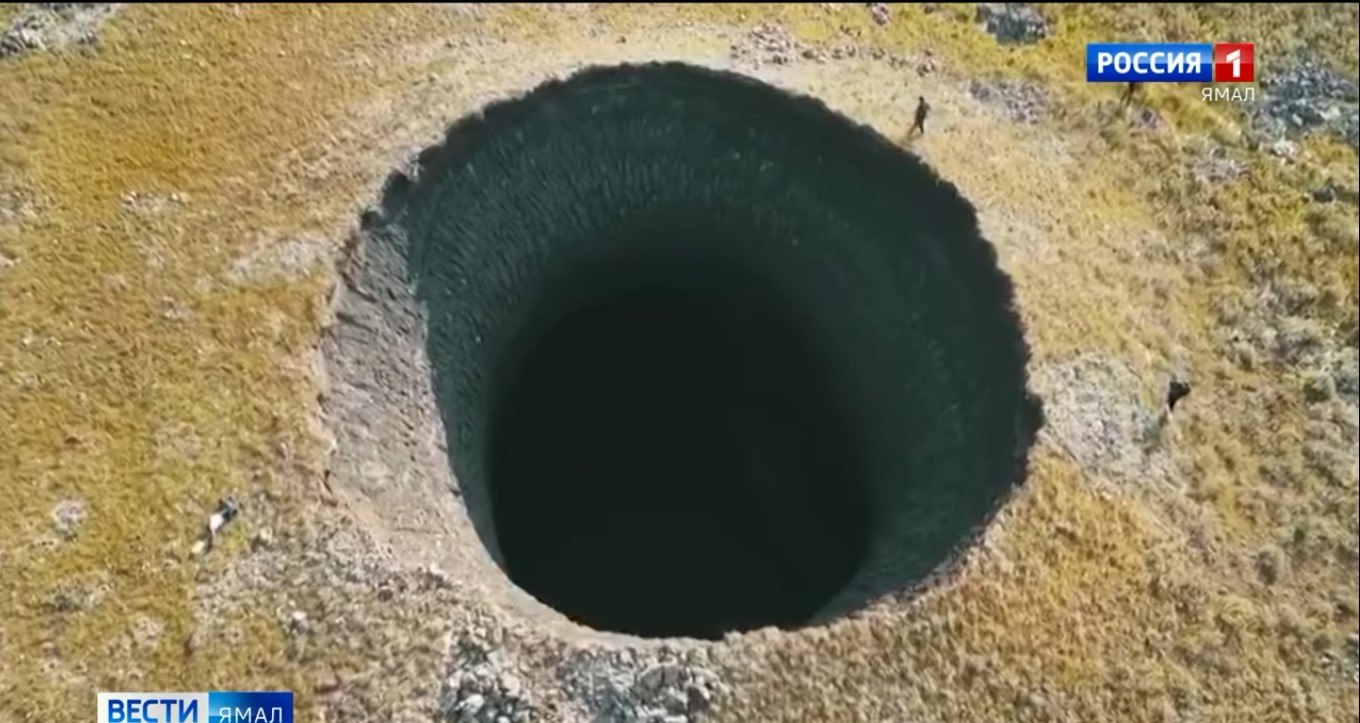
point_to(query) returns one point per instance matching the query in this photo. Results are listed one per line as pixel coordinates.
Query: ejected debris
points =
(480, 686)
(46, 26)
(1012, 23)
(1305, 96)
(1019, 101)
(771, 44)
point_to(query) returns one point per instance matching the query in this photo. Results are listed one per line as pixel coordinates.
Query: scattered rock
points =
(1324, 194)
(880, 12)
(1270, 564)
(1148, 119)
(637, 686)
(67, 517)
(480, 688)
(1012, 23)
(435, 577)
(1282, 148)
(925, 63)
(296, 622)
(1219, 165)
(1346, 374)
(146, 631)
(1019, 101)
(470, 705)
(326, 680)
(46, 26)
(77, 597)
(770, 44)
(174, 310)
(67, 600)
(262, 539)
(1303, 96)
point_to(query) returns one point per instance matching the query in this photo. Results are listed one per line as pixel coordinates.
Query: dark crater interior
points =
(710, 357)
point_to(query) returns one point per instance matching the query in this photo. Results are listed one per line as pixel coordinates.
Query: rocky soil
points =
(1304, 95)
(1013, 23)
(46, 26)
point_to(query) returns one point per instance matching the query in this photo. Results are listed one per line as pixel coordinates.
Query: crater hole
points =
(670, 458)
(709, 356)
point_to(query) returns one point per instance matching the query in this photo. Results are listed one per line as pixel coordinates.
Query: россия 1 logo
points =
(1170, 62)
(1234, 62)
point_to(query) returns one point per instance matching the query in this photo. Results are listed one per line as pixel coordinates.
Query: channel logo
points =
(213, 707)
(1234, 62)
(1170, 62)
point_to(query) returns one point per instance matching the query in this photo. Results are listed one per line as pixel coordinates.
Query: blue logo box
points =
(257, 707)
(212, 707)
(1149, 62)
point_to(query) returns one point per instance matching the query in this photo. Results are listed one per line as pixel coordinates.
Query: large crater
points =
(709, 356)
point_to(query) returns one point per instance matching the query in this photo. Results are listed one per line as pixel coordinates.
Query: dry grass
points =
(150, 416)
(132, 377)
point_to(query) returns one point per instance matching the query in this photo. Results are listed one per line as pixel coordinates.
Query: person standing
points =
(922, 110)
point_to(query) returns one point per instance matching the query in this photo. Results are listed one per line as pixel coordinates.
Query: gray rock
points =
(1346, 376)
(146, 631)
(76, 598)
(1270, 564)
(641, 687)
(472, 704)
(19, 39)
(1012, 23)
(1149, 119)
(297, 622)
(1019, 101)
(1303, 95)
(770, 44)
(45, 26)
(882, 15)
(67, 518)
(1283, 148)
(1220, 166)
(480, 687)
(262, 539)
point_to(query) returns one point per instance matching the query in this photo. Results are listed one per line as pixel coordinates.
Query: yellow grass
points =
(1094, 606)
